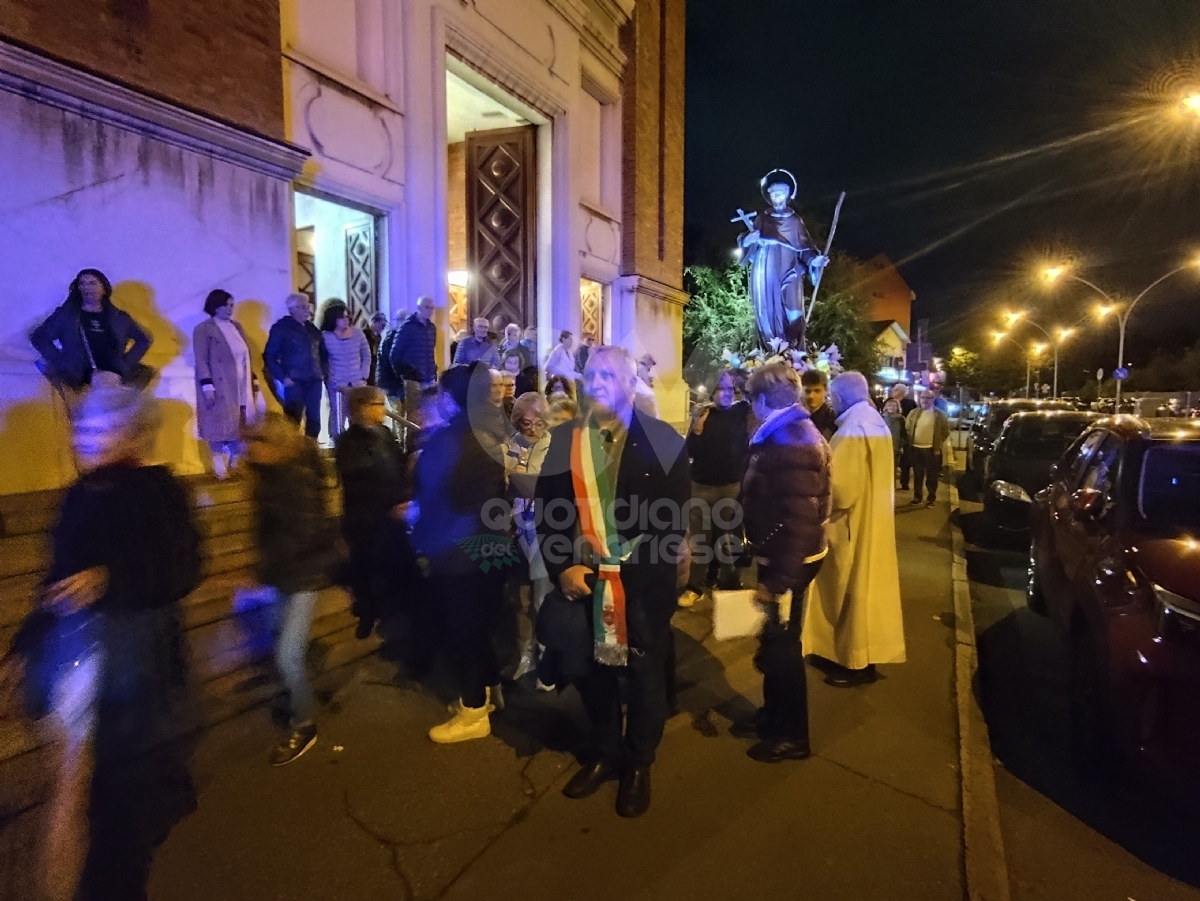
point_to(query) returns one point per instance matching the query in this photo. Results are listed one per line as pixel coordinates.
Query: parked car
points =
(988, 424)
(1020, 462)
(1115, 560)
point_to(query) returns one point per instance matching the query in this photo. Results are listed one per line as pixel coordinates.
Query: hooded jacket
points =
(786, 495)
(59, 339)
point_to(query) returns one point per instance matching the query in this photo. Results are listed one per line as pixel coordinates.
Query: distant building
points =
(891, 318)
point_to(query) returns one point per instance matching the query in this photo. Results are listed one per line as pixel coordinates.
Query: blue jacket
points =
(411, 353)
(295, 352)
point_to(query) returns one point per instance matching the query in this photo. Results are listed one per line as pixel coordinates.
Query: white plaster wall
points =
(165, 224)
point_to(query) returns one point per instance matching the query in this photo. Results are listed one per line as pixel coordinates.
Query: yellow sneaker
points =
(467, 724)
(688, 598)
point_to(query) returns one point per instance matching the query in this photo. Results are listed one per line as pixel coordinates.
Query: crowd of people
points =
(571, 515)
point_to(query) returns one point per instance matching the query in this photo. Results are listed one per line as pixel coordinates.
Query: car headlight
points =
(1169, 602)
(1011, 491)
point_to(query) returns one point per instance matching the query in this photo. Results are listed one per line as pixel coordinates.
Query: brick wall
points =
(219, 57)
(652, 141)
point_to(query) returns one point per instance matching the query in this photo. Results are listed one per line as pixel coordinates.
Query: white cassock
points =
(854, 616)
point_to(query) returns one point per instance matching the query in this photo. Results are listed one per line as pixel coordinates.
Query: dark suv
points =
(988, 424)
(1115, 560)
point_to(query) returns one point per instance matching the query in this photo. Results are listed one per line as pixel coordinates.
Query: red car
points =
(1115, 560)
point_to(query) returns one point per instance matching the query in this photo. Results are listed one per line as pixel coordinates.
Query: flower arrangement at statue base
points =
(827, 359)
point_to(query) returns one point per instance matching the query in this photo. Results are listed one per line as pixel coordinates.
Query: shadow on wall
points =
(168, 342)
(35, 444)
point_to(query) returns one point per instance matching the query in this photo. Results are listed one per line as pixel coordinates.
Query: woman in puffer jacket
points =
(785, 502)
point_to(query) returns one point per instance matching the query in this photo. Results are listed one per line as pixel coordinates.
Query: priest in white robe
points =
(854, 617)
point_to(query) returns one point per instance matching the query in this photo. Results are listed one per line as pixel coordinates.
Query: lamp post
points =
(1063, 335)
(1053, 273)
(997, 337)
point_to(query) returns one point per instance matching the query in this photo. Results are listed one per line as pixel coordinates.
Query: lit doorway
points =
(337, 256)
(494, 194)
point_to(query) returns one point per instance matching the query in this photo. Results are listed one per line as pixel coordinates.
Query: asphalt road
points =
(378, 811)
(1067, 837)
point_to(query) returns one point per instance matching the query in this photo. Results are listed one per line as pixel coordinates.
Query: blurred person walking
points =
(458, 471)
(616, 458)
(522, 467)
(103, 656)
(295, 360)
(87, 335)
(227, 396)
(349, 362)
(854, 618)
(928, 429)
(296, 551)
(786, 499)
(719, 446)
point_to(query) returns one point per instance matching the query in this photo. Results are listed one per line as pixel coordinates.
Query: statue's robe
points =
(777, 275)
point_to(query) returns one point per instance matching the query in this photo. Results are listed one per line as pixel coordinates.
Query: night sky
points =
(907, 104)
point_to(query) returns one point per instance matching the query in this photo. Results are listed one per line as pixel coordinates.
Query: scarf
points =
(595, 491)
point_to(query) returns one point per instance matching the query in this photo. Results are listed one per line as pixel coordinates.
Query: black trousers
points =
(633, 737)
(469, 604)
(303, 401)
(906, 456)
(781, 661)
(927, 470)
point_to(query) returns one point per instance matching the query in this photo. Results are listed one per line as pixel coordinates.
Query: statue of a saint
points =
(780, 253)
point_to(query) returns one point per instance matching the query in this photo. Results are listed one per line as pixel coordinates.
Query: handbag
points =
(52, 646)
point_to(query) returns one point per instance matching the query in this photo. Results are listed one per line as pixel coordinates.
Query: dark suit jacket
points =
(654, 467)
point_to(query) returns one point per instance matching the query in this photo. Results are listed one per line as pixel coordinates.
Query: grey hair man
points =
(854, 618)
(617, 459)
(478, 346)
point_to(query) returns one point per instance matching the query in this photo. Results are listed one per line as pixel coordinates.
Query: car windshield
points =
(1169, 488)
(1042, 438)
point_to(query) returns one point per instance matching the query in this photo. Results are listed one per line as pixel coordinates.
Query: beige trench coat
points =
(854, 615)
(214, 360)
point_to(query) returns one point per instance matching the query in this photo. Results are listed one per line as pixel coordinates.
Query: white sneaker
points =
(688, 598)
(220, 466)
(468, 724)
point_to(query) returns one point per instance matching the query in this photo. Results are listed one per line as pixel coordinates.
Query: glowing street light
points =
(1192, 103)
(1110, 305)
(1051, 273)
(997, 337)
(1065, 333)
(1039, 349)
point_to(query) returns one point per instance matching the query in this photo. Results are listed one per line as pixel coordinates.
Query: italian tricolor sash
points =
(595, 491)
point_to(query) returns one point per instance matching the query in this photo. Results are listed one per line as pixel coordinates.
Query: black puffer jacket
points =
(296, 544)
(786, 495)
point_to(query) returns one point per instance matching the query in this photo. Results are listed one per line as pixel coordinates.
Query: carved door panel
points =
(361, 296)
(502, 224)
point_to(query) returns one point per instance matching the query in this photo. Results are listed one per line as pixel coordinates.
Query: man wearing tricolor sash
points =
(612, 500)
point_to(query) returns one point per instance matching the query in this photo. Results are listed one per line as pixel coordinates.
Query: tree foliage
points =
(720, 316)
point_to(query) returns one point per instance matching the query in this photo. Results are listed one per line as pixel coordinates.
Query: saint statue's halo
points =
(777, 177)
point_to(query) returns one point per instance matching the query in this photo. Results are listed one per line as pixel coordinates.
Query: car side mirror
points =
(1085, 503)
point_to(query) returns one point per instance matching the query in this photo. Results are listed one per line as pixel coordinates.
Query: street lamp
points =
(1063, 334)
(997, 337)
(1053, 273)
(1192, 103)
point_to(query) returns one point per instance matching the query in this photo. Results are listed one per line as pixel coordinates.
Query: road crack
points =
(953, 811)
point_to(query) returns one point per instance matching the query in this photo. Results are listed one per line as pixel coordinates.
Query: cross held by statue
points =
(745, 218)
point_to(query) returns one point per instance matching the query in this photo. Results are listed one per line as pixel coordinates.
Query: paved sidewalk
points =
(378, 811)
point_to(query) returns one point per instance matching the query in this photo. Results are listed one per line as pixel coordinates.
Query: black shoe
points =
(633, 795)
(932, 502)
(744, 729)
(903, 487)
(914, 502)
(294, 745)
(364, 629)
(589, 779)
(848, 678)
(774, 751)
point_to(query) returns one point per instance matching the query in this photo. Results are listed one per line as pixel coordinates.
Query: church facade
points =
(519, 160)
